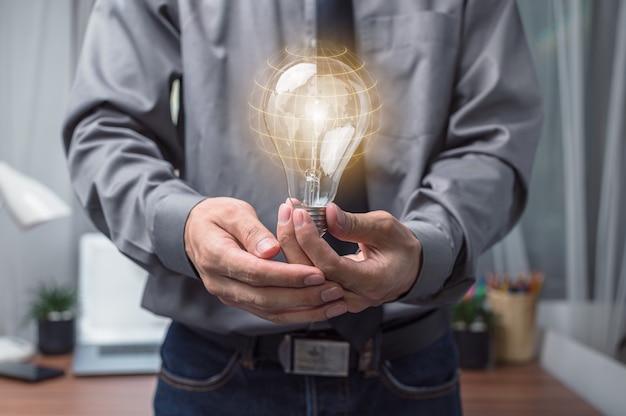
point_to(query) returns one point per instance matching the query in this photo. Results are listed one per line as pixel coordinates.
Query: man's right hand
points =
(232, 253)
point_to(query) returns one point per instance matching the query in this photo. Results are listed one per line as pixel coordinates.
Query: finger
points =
(301, 315)
(315, 247)
(273, 298)
(287, 238)
(280, 304)
(247, 268)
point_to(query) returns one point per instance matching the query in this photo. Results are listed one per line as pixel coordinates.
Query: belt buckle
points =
(315, 356)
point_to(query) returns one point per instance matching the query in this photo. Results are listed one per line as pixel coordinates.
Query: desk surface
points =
(510, 390)
(84, 396)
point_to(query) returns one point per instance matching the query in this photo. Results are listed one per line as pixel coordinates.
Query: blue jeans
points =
(201, 378)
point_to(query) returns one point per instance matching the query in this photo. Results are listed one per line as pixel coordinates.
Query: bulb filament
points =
(312, 187)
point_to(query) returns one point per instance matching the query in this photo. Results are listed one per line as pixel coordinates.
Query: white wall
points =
(35, 71)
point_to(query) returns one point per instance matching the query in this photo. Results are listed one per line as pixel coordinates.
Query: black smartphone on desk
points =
(28, 371)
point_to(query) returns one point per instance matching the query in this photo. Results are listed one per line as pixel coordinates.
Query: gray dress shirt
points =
(460, 124)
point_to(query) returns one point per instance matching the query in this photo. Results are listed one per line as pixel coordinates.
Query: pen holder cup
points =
(515, 325)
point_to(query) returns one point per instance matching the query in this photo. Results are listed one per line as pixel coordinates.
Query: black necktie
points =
(335, 23)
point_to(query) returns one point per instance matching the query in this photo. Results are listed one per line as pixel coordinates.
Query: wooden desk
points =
(74, 396)
(511, 391)
(519, 390)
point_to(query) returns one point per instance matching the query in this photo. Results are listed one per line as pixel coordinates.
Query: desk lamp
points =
(30, 203)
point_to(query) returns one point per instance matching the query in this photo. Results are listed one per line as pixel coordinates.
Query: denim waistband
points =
(393, 341)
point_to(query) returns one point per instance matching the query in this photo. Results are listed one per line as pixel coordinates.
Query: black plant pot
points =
(475, 349)
(56, 337)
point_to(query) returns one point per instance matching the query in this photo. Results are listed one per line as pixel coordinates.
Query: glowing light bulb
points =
(314, 108)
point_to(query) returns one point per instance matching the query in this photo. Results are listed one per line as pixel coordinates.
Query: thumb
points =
(346, 226)
(241, 221)
(257, 239)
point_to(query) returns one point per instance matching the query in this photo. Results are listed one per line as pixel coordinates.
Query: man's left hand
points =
(385, 268)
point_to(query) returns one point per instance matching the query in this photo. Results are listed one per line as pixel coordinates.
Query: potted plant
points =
(53, 309)
(472, 324)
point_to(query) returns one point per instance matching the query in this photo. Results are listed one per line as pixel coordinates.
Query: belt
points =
(392, 342)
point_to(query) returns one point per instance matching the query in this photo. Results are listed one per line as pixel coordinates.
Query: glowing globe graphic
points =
(315, 109)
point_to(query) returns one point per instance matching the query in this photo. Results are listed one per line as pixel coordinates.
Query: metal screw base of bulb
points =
(318, 215)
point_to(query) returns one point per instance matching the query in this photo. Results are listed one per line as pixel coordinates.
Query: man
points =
(195, 202)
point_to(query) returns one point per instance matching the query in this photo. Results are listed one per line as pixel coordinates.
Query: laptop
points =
(114, 334)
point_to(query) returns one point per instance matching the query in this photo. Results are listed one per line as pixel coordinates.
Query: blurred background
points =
(574, 228)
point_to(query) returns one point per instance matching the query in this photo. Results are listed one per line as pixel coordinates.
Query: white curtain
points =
(574, 229)
(610, 270)
(570, 64)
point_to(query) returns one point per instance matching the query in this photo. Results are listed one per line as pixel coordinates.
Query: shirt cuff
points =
(438, 257)
(170, 216)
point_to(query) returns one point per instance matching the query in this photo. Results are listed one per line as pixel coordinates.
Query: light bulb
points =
(314, 108)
